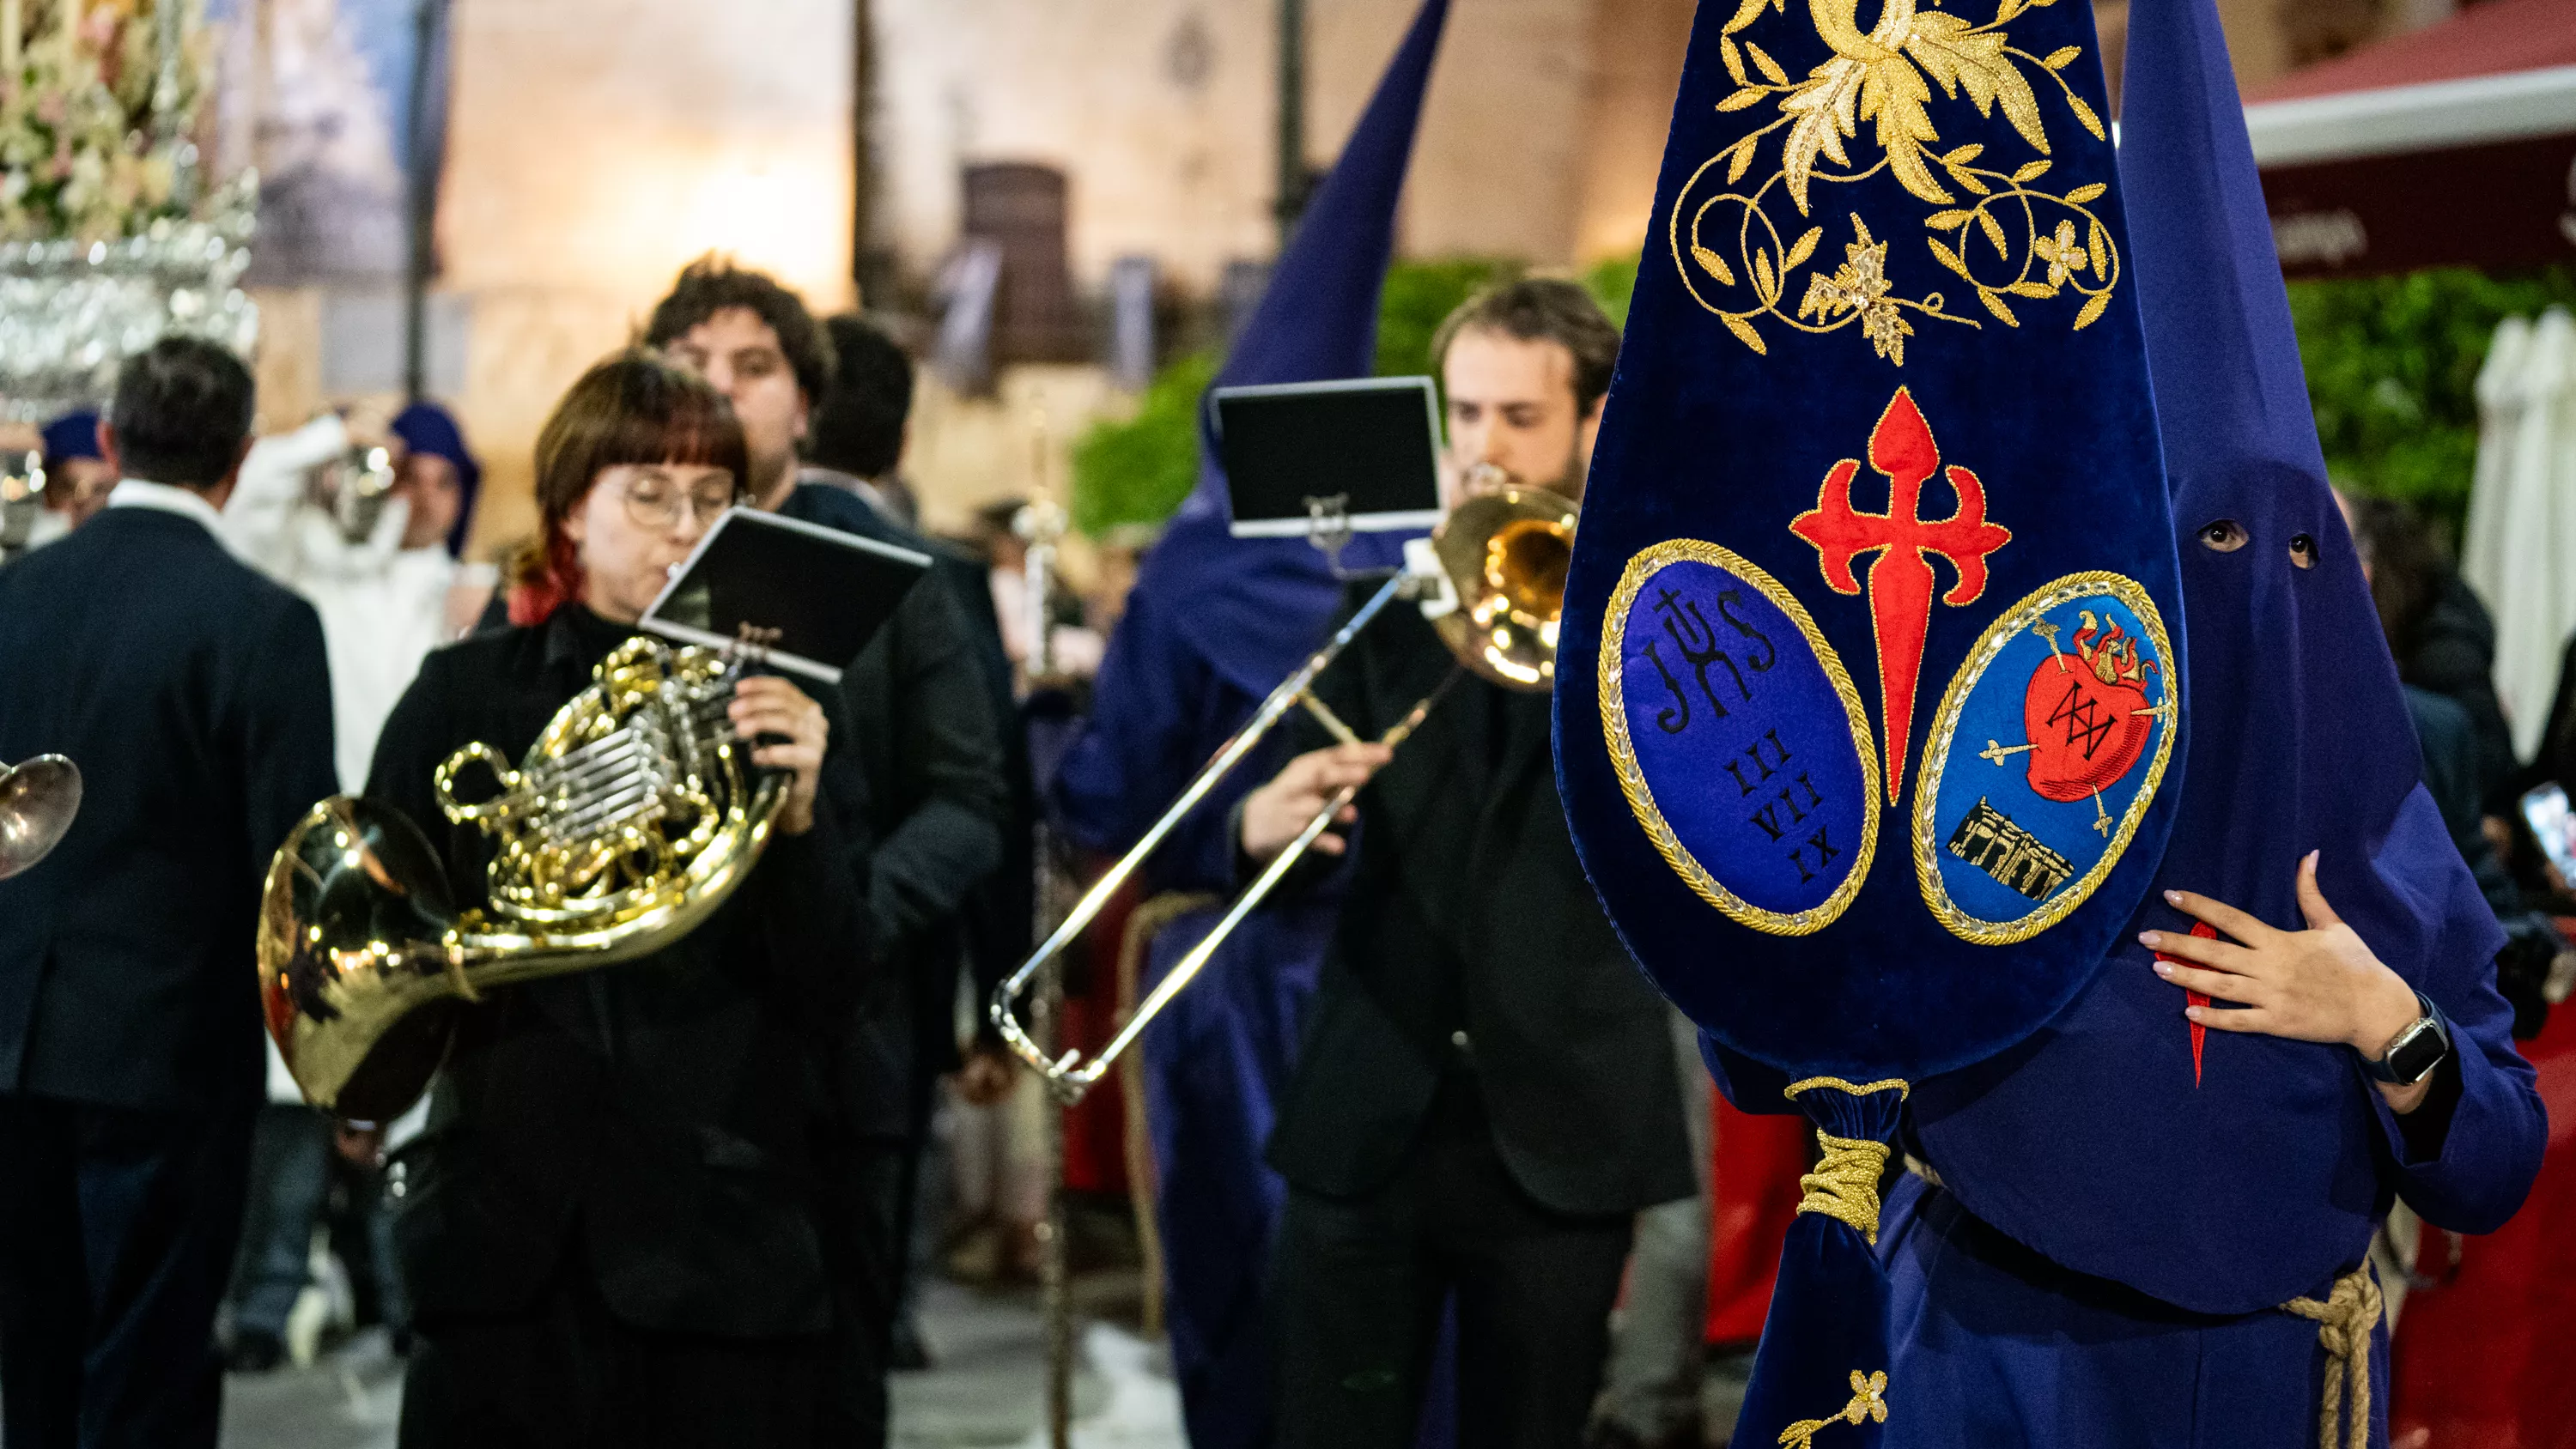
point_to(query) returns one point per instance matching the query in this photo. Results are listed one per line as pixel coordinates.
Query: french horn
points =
(631, 819)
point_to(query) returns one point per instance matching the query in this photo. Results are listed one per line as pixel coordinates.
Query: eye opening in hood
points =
(2223, 535)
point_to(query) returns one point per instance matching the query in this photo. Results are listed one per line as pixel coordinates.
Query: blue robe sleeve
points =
(2466, 1158)
(1159, 709)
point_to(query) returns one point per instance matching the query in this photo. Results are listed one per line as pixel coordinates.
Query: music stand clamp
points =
(1328, 528)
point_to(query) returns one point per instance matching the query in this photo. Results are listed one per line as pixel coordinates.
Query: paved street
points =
(987, 1392)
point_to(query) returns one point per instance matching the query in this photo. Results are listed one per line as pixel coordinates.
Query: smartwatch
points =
(2414, 1052)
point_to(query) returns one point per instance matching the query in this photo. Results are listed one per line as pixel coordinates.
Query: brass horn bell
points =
(632, 818)
(38, 798)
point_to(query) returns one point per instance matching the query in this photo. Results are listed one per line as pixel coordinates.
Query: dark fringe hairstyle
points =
(633, 408)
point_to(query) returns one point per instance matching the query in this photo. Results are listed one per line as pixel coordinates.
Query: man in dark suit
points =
(1484, 1098)
(195, 697)
(927, 699)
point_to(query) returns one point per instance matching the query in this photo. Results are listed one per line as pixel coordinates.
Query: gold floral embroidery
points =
(2043, 243)
(1868, 1403)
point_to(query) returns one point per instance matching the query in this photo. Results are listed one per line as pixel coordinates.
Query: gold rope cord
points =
(1143, 1173)
(1844, 1185)
(2344, 1325)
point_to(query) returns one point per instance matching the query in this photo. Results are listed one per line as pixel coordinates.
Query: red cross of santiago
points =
(1900, 579)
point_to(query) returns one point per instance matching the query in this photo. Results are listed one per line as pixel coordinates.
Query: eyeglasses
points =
(655, 504)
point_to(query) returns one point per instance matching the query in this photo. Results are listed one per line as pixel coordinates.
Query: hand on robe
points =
(2322, 984)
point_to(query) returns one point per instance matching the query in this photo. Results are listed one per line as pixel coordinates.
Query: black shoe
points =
(254, 1352)
(905, 1352)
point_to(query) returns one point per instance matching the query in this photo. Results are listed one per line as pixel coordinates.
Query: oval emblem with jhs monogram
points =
(1738, 737)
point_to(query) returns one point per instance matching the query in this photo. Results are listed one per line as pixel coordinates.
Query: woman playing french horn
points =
(608, 1224)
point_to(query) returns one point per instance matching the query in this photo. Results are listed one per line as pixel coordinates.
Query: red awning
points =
(2449, 146)
(2494, 38)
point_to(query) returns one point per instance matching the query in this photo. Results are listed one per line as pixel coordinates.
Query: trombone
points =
(1493, 585)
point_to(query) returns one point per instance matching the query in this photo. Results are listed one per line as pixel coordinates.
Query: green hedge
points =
(1140, 470)
(2392, 367)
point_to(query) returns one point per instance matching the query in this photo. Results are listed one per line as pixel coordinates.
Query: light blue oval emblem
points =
(2047, 750)
(1738, 737)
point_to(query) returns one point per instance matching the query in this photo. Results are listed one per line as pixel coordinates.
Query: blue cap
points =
(425, 427)
(73, 435)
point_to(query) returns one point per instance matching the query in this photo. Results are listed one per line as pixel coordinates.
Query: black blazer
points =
(195, 697)
(1468, 919)
(655, 1117)
(927, 699)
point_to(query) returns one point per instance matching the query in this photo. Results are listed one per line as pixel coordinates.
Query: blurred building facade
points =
(595, 146)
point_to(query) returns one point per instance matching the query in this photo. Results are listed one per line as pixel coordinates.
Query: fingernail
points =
(2192, 1011)
(2312, 857)
(2147, 938)
(2173, 898)
(2164, 968)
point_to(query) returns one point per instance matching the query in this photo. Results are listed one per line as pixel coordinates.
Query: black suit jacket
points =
(657, 1117)
(1469, 919)
(927, 708)
(195, 697)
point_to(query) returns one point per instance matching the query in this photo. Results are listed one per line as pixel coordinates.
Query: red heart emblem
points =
(2087, 714)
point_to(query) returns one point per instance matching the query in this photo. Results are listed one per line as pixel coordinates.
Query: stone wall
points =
(596, 146)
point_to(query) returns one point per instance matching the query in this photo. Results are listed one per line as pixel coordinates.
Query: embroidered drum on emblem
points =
(1738, 737)
(2047, 750)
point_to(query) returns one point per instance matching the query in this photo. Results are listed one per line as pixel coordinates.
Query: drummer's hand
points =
(765, 704)
(1277, 813)
(2322, 984)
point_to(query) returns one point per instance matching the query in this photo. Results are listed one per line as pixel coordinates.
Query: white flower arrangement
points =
(98, 102)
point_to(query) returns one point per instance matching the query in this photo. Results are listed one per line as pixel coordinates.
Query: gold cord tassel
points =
(2344, 1322)
(1845, 1184)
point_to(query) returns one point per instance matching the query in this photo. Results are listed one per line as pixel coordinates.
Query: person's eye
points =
(711, 504)
(2224, 535)
(756, 364)
(2303, 551)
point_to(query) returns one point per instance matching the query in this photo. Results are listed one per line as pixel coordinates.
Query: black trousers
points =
(290, 1180)
(566, 1374)
(863, 1252)
(117, 1230)
(1357, 1287)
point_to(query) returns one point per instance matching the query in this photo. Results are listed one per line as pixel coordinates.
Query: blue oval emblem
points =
(1738, 738)
(2047, 750)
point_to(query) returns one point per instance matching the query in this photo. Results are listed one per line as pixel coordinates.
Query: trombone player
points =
(1484, 1098)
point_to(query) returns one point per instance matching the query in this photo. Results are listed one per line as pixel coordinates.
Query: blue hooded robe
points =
(2119, 1216)
(1213, 624)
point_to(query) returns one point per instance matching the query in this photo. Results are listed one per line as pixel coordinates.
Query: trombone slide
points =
(1071, 1075)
